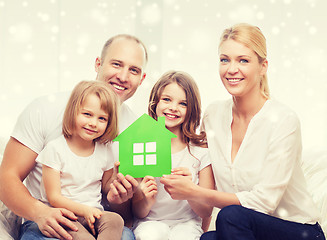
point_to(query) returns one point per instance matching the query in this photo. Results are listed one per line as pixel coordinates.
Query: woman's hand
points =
(179, 184)
(182, 171)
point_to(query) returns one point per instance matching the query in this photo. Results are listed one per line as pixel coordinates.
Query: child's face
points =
(91, 121)
(172, 105)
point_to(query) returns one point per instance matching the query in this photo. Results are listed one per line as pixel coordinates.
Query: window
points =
(145, 152)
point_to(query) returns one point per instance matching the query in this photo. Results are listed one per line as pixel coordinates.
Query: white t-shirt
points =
(266, 173)
(172, 211)
(80, 177)
(41, 122)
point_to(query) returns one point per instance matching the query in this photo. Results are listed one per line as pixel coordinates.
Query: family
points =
(243, 157)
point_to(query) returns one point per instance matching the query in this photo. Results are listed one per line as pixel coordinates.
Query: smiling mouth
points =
(89, 130)
(171, 115)
(118, 87)
(234, 80)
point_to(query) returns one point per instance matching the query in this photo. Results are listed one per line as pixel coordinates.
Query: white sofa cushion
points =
(315, 171)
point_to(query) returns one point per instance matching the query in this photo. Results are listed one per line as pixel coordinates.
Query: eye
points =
(165, 99)
(224, 60)
(116, 64)
(184, 104)
(86, 114)
(103, 119)
(244, 61)
(134, 71)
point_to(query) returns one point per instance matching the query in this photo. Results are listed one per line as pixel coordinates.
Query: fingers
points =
(54, 230)
(183, 171)
(90, 222)
(128, 181)
(116, 167)
(122, 189)
(51, 233)
(65, 221)
(68, 214)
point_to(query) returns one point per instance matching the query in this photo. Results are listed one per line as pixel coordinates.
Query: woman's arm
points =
(144, 197)
(182, 188)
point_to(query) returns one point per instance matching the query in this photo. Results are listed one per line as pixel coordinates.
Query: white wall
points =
(50, 45)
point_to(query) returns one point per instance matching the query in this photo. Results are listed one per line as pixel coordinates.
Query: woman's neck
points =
(80, 147)
(247, 107)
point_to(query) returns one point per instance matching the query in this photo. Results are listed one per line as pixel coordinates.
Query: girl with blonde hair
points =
(78, 165)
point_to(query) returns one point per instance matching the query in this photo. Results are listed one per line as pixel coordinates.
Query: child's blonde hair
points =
(252, 37)
(109, 103)
(193, 112)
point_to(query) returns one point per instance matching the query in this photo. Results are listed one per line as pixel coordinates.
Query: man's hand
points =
(52, 220)
(122, 187)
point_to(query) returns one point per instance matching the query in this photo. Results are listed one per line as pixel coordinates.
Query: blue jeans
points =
(30, 231)
(237, 222)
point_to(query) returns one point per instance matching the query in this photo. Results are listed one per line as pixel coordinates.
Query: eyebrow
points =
(241, 56)
(120, 61)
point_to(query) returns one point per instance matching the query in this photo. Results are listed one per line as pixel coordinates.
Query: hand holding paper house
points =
(145, 148)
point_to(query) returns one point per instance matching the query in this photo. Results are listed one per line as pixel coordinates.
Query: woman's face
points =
(239, 69)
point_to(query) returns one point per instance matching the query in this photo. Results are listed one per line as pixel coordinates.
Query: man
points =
(121, 65)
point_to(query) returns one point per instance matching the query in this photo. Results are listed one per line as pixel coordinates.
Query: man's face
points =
(122, 67)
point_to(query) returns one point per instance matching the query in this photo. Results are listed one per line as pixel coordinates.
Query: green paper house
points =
(145, 148)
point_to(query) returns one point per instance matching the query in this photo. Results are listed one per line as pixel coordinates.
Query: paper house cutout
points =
(145, 148)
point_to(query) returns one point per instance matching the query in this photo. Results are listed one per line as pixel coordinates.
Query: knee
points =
(230, 215)
(152, 230)
(113, 219)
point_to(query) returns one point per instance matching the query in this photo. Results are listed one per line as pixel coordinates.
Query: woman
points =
(255, 147)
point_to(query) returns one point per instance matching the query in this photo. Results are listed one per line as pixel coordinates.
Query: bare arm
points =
(18, 161)
(182, 188)
(206, 180)
(144, 197)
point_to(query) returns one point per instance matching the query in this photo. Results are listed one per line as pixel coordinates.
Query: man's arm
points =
(18, 161)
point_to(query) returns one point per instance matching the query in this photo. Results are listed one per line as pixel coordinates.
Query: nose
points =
(233, 67)
(172, 106)
(122, 75)
(93, 122)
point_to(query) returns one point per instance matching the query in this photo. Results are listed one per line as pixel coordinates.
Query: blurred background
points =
(48, 46)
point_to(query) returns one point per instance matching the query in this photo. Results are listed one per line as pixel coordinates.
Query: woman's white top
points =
(266, 173)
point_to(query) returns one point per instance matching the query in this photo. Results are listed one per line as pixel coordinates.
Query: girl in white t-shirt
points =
(176, 97)
(78, 165)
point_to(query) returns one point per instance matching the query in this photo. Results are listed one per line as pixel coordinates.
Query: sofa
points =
(314, 166)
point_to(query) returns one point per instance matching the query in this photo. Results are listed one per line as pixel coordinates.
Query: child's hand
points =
(90, 214)
(149, 188)
(182, 171)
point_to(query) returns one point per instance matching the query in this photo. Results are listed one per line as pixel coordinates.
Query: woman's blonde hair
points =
(109, 103)
(193, 112)
(251, 37)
